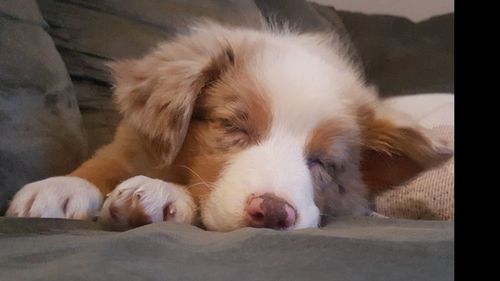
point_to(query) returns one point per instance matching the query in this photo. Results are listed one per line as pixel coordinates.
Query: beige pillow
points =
(431, 194)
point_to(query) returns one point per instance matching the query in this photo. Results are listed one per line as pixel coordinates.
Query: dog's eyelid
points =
(231, 126)
(242, 115)
(325, 163)
(336, 167)
(315, 161)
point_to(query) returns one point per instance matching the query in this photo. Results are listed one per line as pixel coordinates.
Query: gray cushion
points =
(401, 57)
(40, 123)
(348, 250)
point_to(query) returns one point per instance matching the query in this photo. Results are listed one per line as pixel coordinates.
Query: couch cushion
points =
(402, 57)
(40, 123)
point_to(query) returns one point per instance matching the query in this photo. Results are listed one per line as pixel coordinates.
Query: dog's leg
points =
(123, 158)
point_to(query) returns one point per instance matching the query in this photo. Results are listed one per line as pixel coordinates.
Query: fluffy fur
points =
(221, 114)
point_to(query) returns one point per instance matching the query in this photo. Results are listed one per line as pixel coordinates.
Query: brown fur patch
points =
(384, 136)
(135, 214)
(206, 170)
(127, 156)
(392, 155)
(382, 171)
(156, 94)
(137, 217)
(236, 110)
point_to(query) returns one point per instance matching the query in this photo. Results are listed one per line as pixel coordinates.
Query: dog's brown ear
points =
(156, 94)
(395, 148)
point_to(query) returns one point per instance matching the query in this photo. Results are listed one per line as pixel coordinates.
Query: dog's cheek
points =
(324, 195)
(321, 180)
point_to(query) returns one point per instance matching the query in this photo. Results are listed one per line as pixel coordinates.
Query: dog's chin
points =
(217, 220)
(223, 211)
(309, 217)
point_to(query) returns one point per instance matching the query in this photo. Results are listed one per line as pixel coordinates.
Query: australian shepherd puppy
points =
(231, 127)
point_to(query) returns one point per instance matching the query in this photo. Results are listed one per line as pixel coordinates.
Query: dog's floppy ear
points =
(156, 94)
(395, 148)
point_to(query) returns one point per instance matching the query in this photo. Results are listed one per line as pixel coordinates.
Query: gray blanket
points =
(351, 249)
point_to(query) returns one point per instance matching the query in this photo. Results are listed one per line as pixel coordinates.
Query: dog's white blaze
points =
(303, 88)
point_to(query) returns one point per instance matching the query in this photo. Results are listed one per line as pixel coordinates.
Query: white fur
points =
(46, 199)
(152, 195)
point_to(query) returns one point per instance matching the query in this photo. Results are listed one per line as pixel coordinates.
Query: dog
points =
(228, 127)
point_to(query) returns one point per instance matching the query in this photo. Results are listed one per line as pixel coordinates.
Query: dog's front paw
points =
(57, 197)
(141, 200)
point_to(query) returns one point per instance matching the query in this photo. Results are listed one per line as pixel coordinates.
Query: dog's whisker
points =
(195, 184)
(197, 175)
(198, 183)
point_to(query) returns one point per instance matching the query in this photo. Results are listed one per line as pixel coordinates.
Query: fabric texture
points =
(40, 123)
(348, 250)
(430, 195)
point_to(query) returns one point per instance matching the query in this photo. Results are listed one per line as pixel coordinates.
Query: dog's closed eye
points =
(313, 162)
(232, 127)
(323, 171)
(330, 166)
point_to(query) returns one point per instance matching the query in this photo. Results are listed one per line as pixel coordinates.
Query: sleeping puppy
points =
(232, 127)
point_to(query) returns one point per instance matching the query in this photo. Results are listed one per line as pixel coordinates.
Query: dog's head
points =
(274, 128)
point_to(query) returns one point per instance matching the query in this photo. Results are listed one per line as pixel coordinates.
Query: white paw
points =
(141, 200)
(57, 197)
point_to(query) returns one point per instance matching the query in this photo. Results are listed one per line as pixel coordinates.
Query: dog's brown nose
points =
(268, 210)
